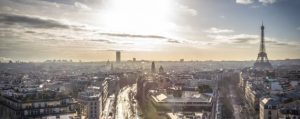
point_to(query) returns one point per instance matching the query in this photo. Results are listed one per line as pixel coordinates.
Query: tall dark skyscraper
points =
(133, 59)
(118, 56)
(153, 67)
(262, 61)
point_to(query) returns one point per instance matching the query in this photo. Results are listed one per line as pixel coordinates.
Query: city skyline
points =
(150, 30)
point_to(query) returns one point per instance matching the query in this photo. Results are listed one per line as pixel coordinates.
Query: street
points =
(235, 104)
(126, 104)
(109, 108)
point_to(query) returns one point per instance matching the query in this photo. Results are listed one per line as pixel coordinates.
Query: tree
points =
(204, 89)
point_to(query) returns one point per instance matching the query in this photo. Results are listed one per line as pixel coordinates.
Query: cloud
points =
(255, 6)
(132, 35)
(170, 40)
(7, 8)
(238, 38)
(249, 39)
(35, 28)
(173, 41)
(34, 37)
(105, 41)
(279, 43)
(30, 32)
(186, 9)
(65, 2)
(298, 28)
(243, 38)
(265, 2)
(214, 30)
(245, 2)
(28, 21)
(82, 6)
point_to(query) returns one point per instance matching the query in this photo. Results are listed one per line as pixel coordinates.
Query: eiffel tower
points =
(262, 61)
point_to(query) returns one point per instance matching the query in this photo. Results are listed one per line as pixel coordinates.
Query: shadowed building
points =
(22, 103)
(153, 70)
(262, 61)
(161, 70)
(118, 56)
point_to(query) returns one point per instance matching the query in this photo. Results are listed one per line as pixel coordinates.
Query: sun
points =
(138, 16)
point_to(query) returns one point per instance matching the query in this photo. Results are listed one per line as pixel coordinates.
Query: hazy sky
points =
(37, 30)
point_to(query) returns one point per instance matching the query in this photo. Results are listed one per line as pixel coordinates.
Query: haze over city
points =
(92, 30)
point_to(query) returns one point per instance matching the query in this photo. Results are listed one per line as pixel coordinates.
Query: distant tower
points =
(133, 59)
(161, 70)
(262, 61)
(107, 63)
(118, 56)
(153, 67)
(111, 67)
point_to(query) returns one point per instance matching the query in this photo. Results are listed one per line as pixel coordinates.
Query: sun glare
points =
(138, 16)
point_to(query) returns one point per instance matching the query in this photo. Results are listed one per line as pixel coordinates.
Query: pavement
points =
(236, 107)
(108, 108)
(126, 109)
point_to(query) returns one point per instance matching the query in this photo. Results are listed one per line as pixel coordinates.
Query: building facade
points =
(268, 108)
(90, 104)
(37, 104)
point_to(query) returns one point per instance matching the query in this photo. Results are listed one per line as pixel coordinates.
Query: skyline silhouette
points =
(151, 30)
